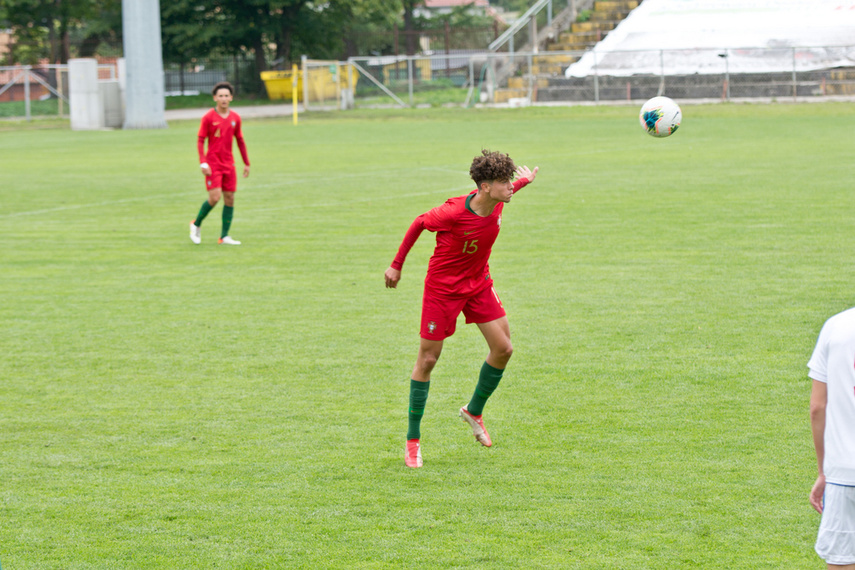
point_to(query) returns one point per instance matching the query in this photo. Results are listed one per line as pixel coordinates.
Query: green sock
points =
(228, 212)
(418, 399)
(203, 211)
(487, 382)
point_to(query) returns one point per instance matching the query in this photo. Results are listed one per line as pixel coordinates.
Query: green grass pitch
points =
(165, 405)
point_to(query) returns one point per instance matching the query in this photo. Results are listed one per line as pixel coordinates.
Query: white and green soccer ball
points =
(660, 116)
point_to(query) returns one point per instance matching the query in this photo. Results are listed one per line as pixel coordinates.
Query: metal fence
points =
(200, 75)
(531, 78)
(425, 41)
(42, 90)
(27, 90)
(468, 78)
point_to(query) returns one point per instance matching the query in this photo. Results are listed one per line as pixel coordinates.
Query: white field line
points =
(305, 179)
(449, 191)
(107, 203)
(78, 206)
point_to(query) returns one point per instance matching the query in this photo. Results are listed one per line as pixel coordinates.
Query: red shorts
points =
(224, 177)
(439, 314)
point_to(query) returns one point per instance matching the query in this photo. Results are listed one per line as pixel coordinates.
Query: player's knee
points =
(504, 351)
(427, 361)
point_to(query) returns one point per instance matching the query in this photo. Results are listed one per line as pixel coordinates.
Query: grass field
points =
(165, 405)
(18, 109)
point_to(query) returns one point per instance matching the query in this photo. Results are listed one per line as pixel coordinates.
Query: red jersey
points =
(459, 266)
(220, 132)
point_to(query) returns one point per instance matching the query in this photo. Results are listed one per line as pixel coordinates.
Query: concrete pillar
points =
(84, 97)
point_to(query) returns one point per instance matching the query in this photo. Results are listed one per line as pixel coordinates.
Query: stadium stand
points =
(718, 48)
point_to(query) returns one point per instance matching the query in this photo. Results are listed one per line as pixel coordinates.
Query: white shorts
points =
(835, 542)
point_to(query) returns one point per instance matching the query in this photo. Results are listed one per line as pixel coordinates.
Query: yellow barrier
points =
(322, 83)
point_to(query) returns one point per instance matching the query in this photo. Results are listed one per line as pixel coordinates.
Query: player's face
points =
(222, 98)
(501, 190)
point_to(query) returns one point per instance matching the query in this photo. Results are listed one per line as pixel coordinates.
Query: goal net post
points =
(327, 84)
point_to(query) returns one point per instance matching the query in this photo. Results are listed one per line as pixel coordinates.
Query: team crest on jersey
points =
(233, 123)
(431, 327)
(499, 222)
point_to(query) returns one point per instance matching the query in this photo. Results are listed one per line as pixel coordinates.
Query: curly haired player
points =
(458, 280)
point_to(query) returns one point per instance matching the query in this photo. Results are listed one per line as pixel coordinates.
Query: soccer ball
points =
(660, 117)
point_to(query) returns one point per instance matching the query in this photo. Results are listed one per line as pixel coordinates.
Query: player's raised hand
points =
(392, 277)
(524, 172)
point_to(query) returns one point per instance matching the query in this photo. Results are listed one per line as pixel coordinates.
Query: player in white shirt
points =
(832, 416)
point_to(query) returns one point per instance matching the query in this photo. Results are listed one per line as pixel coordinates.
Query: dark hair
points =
(491, 166)
(223, 85)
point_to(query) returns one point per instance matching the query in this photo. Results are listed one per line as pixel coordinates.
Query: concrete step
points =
(615, 5)
(521, 83)
(572, 46)
(593, 26)
(549, 69)
(593, 36)
(608, 16)
(504, 95)
(554, 59)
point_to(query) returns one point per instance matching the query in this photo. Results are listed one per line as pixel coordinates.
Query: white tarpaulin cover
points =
(678, 37)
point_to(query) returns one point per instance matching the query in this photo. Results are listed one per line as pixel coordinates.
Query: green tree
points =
(188, 29)
(102, 26)
(368, 25)
(460, 17)
(514, 5)
(43, 28)
(409, 7)
(283, 30)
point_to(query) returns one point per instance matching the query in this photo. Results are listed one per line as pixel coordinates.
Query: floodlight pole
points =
(145, 103)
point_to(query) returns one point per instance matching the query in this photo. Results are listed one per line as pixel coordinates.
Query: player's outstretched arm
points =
(524, 172)
(392, 277)
(393, 274)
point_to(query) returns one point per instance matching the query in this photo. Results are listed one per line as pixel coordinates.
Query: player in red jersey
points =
(219, 127)
(458, 280)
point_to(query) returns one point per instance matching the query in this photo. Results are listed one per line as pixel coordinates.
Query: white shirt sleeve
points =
(818, 363)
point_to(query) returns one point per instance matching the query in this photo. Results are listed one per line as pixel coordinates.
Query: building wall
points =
(5, 40)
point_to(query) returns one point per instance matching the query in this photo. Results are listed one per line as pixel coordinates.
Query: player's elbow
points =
(817, 411)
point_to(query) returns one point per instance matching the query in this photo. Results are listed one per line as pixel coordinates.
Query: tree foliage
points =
(42, 29)
(273, 30)
(278, 31)
(513, 5)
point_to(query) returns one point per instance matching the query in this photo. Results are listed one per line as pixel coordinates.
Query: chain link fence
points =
(199, 75)
(40, 90)
(539, 77)
(467, 77)
(443, 79)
